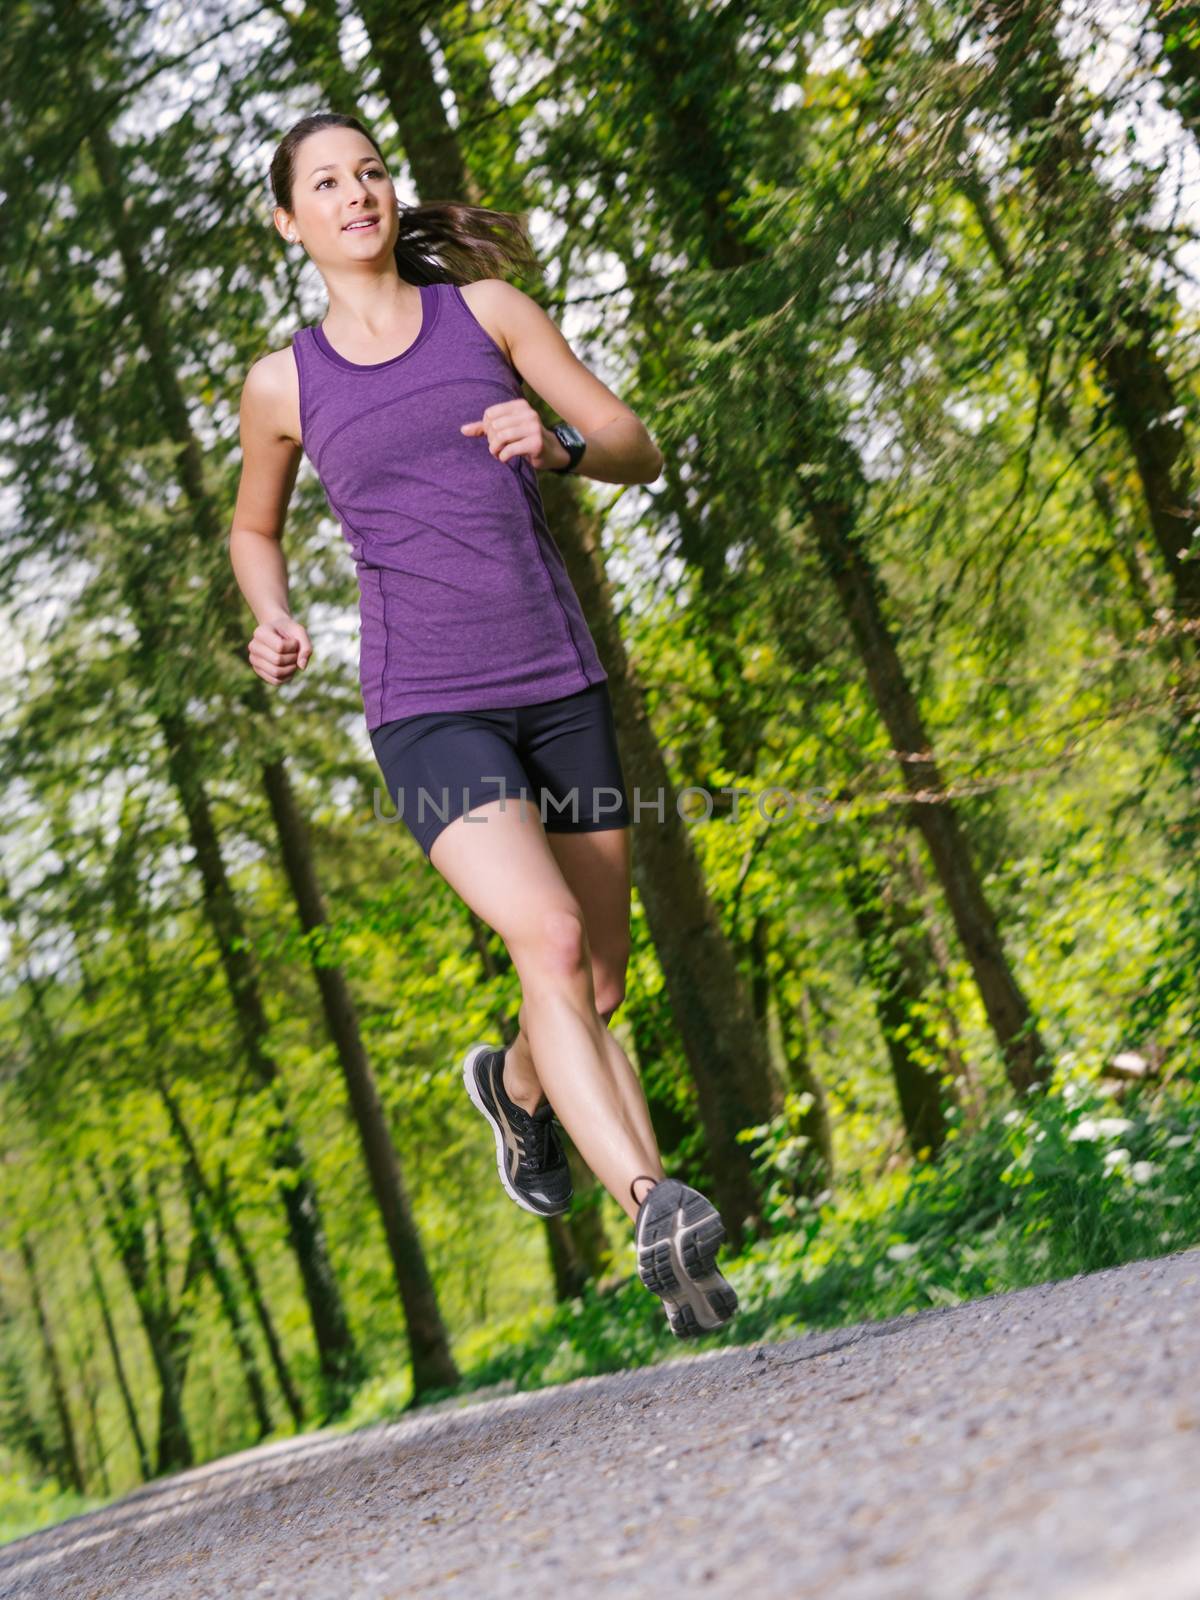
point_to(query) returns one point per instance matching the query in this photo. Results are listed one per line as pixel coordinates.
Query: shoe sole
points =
(678, 1240)
(468, 1072)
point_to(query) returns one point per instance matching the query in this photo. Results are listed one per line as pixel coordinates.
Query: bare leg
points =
(499, 862)
(596, 867)
(523, 1084)
(521, 1080)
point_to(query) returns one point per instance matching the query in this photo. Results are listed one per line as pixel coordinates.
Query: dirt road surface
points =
(1040, 1444)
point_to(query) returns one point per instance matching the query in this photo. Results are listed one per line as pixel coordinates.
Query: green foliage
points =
(851, 272)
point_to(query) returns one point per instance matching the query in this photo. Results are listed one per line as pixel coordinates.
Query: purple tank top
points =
(464, 597)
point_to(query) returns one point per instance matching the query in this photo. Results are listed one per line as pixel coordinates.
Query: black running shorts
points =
(561, 754)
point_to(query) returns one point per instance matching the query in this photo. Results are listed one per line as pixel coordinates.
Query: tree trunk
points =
(969, 1092)
(491, 964)
(589, 1239)
(433, 1365)
(718, 604)
(110, 1333)
(242, 1343)
(899, 992)
(82, 1357)
(69, 1457)
(649, 1020)
(217, 1199)
(568, 1270)
(120, 1210)
(179, 1334)
(174, 1330)
(88, 1385)
(859, 590)
(431, 146)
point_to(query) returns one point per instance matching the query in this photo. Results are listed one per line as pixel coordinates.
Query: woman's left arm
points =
(619, 448)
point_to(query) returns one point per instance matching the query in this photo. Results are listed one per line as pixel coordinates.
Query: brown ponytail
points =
(443, 241)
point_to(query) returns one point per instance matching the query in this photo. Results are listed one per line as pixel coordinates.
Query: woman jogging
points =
(485, 700)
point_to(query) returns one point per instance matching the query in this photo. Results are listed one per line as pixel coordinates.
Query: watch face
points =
(568, 434)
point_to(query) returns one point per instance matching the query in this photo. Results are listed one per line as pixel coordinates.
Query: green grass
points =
(25, 1506)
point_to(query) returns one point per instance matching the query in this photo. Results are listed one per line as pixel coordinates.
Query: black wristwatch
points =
(572, 441)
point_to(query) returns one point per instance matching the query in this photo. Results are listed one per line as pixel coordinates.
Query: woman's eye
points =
(372, 172)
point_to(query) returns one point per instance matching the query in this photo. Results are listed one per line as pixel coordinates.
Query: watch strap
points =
(573, 447)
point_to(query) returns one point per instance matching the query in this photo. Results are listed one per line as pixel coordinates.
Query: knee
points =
(556, 946)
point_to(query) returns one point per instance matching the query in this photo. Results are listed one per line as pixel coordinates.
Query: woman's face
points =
(344, 205)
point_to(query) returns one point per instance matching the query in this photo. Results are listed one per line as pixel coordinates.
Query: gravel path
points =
(1043, 1443)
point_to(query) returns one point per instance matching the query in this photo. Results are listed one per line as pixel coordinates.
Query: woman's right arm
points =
(270, 461)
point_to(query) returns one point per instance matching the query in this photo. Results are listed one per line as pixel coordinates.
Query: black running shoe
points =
(529, 1154)
(677, 1234)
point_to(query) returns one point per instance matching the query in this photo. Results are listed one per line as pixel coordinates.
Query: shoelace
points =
(534, 1131)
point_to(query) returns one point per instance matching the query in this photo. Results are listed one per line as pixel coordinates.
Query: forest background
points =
(907, 295)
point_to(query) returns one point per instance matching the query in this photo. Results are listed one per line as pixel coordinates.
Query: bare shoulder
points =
(542, 356)
(498, 306)
(271, 395)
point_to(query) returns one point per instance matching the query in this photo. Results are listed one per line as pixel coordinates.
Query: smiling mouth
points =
(365, 222)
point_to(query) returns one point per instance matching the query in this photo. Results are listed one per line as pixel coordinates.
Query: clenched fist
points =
(279, 649)
(513, 428)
